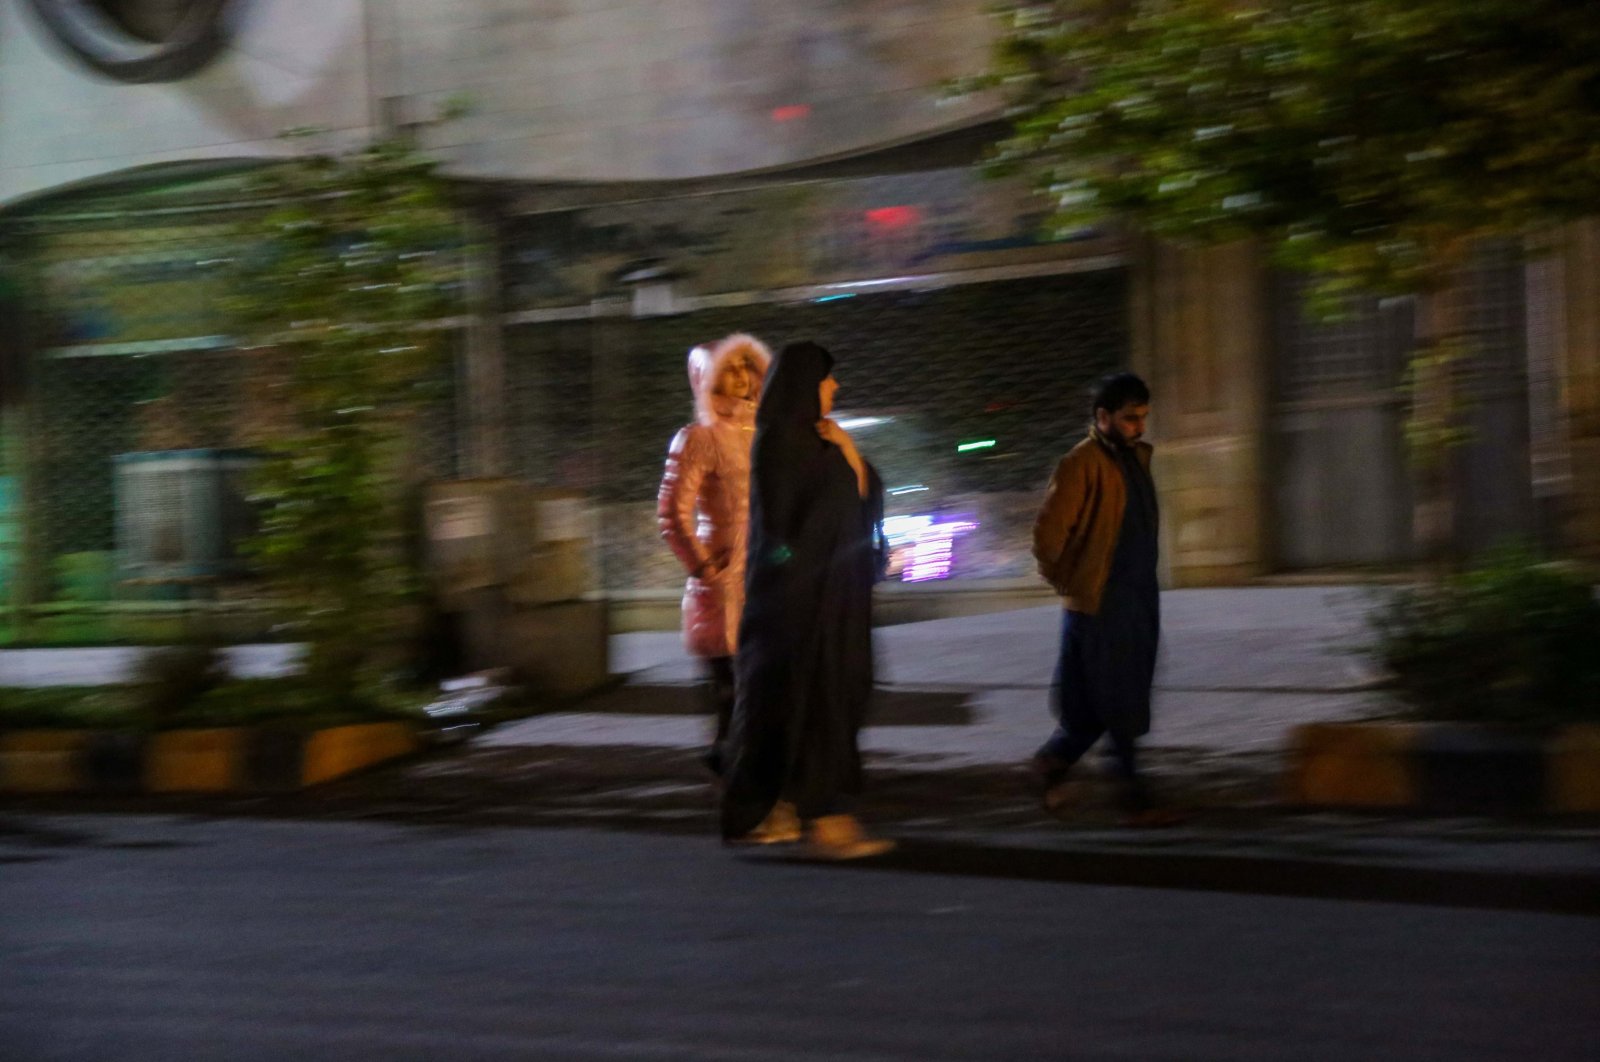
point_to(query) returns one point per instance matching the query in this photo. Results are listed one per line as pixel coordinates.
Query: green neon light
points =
(980, 444)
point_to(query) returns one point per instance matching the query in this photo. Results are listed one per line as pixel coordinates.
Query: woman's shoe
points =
(838, 837)
(1065, 796)
(781, 826)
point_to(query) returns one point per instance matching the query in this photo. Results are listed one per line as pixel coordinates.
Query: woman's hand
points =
(829, 429)
(831, 432)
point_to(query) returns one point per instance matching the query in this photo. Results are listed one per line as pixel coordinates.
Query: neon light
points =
(834, 298)
(928, 542)
(857, 423)
(980, 444)
(791, 112)
(930, 559)
(900, 530)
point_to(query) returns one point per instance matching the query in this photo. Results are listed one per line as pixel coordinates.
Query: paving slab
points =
(1239, 668)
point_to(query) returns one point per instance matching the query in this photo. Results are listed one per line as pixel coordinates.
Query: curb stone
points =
(1444, 768)
(211, 760)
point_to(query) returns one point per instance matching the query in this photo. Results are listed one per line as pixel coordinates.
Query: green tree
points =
(1374, 143)
(340, 289)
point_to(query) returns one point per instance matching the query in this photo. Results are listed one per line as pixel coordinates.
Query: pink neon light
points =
(933, 554)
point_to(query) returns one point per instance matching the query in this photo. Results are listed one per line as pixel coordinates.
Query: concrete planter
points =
(220, 760)
(1444, 768)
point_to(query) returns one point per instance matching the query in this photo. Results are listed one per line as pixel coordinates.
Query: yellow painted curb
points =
(1357, 765)
(343, 749)
(42, 761)
(1572, 771)
(195, 761)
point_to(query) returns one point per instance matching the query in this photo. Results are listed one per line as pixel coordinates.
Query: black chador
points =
(805, 671)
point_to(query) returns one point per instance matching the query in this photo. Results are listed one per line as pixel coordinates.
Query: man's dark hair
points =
(1118, 389)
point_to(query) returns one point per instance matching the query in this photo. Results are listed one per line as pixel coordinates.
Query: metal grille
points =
(1362, 350)
(1340, 479)
(1004, 365)
(1364, 347)
(127, 353)
(1496, 315)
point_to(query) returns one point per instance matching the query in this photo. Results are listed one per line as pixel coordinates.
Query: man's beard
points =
(1115, 437)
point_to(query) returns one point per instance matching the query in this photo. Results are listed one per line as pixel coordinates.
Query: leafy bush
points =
(167, 680)
(295, 702)
(291, 703)
(63, 707)
(1512, 641)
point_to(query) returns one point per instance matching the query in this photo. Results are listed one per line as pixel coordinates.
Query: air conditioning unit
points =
(181, 514)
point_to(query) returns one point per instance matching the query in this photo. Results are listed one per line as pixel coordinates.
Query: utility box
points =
(181, 514)
(514, 564)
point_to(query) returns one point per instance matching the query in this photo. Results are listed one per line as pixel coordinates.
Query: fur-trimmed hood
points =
(706, 362)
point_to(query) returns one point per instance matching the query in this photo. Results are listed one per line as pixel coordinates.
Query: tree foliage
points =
(341, 284)
(1372, 141)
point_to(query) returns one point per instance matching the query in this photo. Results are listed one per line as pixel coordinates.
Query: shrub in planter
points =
(1512, 641)
(168, 680)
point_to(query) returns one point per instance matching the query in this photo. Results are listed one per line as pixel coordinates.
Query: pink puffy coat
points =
(703, 506)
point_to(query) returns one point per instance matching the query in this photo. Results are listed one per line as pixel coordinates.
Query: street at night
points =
(168, 937)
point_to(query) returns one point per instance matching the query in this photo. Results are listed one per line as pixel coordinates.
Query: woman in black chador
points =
(805, 642)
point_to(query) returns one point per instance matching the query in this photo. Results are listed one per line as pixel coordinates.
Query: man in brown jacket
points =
(1095, 541)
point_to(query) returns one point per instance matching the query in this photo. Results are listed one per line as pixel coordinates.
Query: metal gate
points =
(963, 396)
(1341, 487)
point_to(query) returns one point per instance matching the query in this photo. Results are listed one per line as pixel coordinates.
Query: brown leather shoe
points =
(838, 837)
(781, 826)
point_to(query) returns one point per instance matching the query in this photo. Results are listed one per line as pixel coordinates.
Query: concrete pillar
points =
(481, 403)
(1201, 339)
(1577, 346)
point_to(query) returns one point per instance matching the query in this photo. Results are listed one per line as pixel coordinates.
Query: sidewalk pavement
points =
(1238, 668)
(962, 704)
(106, 665)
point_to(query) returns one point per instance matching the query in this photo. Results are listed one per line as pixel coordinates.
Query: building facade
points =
(653, 173)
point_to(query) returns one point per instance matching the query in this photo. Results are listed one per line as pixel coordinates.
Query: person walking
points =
(805, 667)
(702, 510)
(1096, 542)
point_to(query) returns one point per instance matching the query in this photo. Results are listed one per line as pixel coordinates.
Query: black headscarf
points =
(791, 394)
(788, 452)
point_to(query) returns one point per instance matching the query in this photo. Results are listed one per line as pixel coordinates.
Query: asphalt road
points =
(161, 937)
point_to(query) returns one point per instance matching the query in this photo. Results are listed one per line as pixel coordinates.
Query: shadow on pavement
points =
(1550, 893)
(976, 822)
(890, 707)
